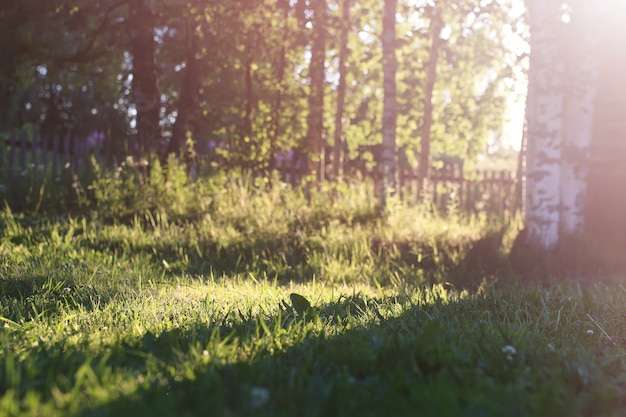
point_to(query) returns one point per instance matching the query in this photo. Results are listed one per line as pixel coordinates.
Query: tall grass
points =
(243, 225)
(159, 295)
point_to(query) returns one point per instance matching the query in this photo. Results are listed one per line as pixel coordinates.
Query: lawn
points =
(242, 302)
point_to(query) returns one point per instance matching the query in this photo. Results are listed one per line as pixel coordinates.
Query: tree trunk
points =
(581, 41)
(316, 94)
(520, 186)
(145, 91)
(338, 150)
(187, 99)
(387, 163)
(606, 202)
(436, 25)
(280, 68)
(247, 156)
(544, 125)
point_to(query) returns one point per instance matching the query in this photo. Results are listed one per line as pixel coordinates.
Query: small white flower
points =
(259, 396)
(205, 353)
(509, 351)
(589, 332)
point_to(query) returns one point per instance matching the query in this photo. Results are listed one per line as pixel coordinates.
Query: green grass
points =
(249, 300)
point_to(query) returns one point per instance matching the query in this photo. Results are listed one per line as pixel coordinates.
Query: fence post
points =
(66, 157)
(55, 157)
(73, 154)
(11, 167)
(24, 147)
(507, 182)
(45, 143)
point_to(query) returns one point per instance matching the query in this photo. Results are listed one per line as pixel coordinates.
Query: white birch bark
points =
(388, 155)
(583, 40)
(544, 124)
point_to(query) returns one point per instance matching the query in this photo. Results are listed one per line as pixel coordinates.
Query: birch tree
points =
(606, 202)
(580, 42)
(436, 25)
(388, 157)
(545, 107)
(338, 149)
(316, 95)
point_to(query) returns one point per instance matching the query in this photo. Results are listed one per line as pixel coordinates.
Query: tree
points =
(387, 163)
(338, 147)
(188, 95)
(315, 135)
(253, 76)
(545, 107)
(145, 89)
(454, 63)
(436, 25)
(580, 42)
(58, 73)
(279, 70)
(606, 203)
(560, 118)
(575, 146)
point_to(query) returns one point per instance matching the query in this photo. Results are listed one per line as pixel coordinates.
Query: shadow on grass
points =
(585, 259)
(436, 358)
(30, 296)
(298, 257)
(484, 262)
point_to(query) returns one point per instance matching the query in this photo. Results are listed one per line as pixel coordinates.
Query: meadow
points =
(242, 297)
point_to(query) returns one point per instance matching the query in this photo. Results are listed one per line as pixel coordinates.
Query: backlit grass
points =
(272, 304)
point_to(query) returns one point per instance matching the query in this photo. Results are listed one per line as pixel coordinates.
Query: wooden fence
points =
(21, 153)
(481, 191)
(448, 189)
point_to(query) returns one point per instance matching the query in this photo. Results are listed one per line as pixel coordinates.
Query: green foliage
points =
(144, 188)
(237, 74)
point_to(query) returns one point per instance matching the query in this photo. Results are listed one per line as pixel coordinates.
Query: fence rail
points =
(446, 189)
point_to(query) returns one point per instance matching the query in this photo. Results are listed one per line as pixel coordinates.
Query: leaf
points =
(299, 303)
(9, 321)
(264, 326)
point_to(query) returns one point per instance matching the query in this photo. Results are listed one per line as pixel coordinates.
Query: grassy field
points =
(230, 299)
